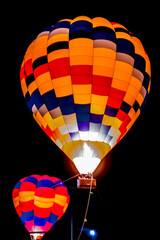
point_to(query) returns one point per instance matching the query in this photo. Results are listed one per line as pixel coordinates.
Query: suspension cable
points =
(85, 216)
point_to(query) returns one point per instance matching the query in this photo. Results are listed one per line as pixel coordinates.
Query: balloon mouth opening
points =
(36, 235)
(86, 165)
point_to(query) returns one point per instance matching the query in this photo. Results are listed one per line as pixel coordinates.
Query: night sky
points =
(124, 202)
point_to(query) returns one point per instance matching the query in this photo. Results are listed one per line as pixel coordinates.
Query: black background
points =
(125, 201)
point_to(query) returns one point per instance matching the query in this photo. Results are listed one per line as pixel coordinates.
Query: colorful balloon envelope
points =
(40, 202)
(85, 82)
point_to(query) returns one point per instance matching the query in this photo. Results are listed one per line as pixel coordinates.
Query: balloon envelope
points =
(85, 82)
(40, 201)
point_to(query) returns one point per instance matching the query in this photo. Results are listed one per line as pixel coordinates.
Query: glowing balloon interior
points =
(85, 82)
(40, 202)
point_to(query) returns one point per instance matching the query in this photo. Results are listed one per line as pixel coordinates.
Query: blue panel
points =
(112, 112)
(82, 108)
(50, 100)
(67, 109)
(66, 100)
(95, 118)
(83, 117)
(62, 24)
(17, 186)
(31, 180)
(37, 98)
(27, 216)
(104, 129)
(139, 63)
(74, 136)
(125, 46)
(84, 126)
(45, 183)
(52, 218)
(81, 25)
(104, 35)
(125, 107)
(40, 221)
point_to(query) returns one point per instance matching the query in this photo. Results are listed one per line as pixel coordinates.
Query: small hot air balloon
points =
(40, 202)
(85, 82)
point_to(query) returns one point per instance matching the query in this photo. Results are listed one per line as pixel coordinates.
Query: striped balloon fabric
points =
(40, 201)
(85, 82)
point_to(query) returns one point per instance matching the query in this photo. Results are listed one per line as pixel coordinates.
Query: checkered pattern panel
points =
(86, 80)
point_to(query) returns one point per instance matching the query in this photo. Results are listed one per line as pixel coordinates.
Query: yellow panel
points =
(118, 25)
(59, 121)
(82, 89)
(124, 36)
(49, 120)
(81, 60)
(40, 43)
(63, 91)
(123, 66)
(24, 87)
(129, 99)
(140, 99)
(131, 113)
(43, 78)
(59, 199)
(16, 201)
(81, 18)
(43, 202)
(107, 120)
(32, 87)
(81, 42)
(133, 91)
(98, 99)
(58, 38)
(26, 196)
(61, 53)
(45, 87)
(62, 81)
(104, 52)
(138, 47)
(103, 71)
(81, 51)
(97, 109)
(117, 123)
(99, 21)
(103, 61)
(40, 120)
(118, 84)
(136, 83)
(121, 75)
(39, 53)
(82, 99)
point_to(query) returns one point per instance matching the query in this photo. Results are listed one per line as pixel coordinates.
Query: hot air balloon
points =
(85, 82)
(40, 202)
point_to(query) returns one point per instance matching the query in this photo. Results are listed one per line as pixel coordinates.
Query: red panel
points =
(22, 75)
(121, 115)
(101, 90)
(59, 68)
(27, 206)
(42, 212)
(81, 79)
(116, 93)
(101, 80)
(82, 69)
(45, 192)
(57, 209)
(41, 69)
(28, 67)
(114, 102)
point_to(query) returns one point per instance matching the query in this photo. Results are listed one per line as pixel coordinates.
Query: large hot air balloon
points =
(85, 82)
(40, 201)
